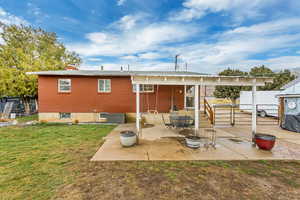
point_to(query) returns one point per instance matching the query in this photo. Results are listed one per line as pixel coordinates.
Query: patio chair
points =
(168, 125)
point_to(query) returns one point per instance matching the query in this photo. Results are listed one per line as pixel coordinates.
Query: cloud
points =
(151, 55)
(135, 65)
(130, 57)
(238, 47)
(131, 40)
(39, 16)
(120, 2)
(240, 9)
(33, 9)
(128, 22)
(9, 19)
(137, 40)
(94, 59)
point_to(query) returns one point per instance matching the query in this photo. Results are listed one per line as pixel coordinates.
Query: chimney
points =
(121, 68)
(71, 67)
(102, 68)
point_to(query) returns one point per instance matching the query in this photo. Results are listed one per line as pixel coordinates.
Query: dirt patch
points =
(185, 180)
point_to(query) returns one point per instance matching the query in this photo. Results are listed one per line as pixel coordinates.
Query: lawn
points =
(36, 160)
(27, 118)
(52, 162)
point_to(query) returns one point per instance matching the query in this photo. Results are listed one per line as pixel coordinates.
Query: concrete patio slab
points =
(246, 149)
(160, 143)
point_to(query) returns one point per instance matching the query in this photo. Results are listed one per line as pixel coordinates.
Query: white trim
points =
(254, 112)
(196, 104)
(137, 108)
(185, 106)
(105, 89)
(203, 80)
(58, 85)
(185, 97)
(143, 87)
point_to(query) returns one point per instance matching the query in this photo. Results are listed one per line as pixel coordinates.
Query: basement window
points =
(64, 115)
(104, 85)
(144, 88)
(64, 85)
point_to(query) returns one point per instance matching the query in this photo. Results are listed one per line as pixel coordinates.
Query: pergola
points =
(197, 81)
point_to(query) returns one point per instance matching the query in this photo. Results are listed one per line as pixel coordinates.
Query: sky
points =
(208, 36)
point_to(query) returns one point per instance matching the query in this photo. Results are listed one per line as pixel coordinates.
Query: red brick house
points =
(85, 94)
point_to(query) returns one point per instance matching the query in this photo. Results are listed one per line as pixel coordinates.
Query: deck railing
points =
(209, 112)
(240, 114)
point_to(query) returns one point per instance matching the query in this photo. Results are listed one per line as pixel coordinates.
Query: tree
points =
(24, 49)
(231, 92)
(280, 79)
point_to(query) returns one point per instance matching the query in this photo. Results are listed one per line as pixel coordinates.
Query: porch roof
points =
(200, 80)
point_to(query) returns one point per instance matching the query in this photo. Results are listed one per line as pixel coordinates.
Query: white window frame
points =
(59, 84)
(142, 88)
(105, 89)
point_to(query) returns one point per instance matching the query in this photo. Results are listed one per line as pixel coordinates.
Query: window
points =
(64, 85)
(104, 85)
(144, 88)
(64, 115)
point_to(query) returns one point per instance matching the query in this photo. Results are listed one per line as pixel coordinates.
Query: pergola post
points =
(137, 92)
(196, 104)
(254, 113)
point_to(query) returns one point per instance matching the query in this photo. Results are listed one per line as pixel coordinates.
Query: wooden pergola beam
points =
(201, 80)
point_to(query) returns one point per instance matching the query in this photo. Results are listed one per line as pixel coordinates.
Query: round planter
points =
(192, 141)
(127, 138)
(265, 141)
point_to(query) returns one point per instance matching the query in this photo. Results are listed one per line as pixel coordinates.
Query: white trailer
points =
(267, 102)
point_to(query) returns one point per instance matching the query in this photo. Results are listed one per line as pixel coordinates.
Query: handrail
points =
(209, 111)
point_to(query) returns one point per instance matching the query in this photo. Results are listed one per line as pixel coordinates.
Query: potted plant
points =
(265, 141)
(192, 141)
(128, 138)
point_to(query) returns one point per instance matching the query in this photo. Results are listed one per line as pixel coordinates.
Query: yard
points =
(52, 161)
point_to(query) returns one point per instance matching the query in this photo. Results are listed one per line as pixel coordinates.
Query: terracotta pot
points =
(265, 141)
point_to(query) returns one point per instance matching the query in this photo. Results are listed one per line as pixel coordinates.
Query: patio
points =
(234, 143)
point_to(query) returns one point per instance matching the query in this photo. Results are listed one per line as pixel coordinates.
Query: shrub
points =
(43, 121)
(4, 120)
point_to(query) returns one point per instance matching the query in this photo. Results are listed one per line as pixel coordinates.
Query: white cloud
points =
(145, 45)
(194, 9)
(134, 65)
(94, 59)
(151, 55)
(33, 9)
(128, 22)
(137, 40)
(120, 2)
(9, 19)
(130, 57)
(235, 48)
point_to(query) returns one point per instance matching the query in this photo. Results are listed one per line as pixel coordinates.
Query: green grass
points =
(36, 160)
(27, 118)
